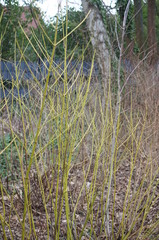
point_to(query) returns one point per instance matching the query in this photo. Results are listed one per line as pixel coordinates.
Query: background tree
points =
(152, 41)
(96, 23)
(139, 23)
(120, 7)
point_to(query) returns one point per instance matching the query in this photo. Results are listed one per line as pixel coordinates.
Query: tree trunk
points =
(99, 38)
(139, 23)
(152, 43)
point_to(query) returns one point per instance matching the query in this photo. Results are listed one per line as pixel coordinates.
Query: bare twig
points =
(113, 148)
(127, 79)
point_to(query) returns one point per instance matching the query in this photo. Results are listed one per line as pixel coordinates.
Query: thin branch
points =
(113, 148)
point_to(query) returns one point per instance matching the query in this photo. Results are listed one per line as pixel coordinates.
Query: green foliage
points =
(4, 167)
(8, 25)
(36, 37)
(7, 156)
(78, 39)
(10, 30)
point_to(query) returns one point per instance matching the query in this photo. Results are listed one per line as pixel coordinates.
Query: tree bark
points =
(99, 38)
(139, 23)
(152, 43)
